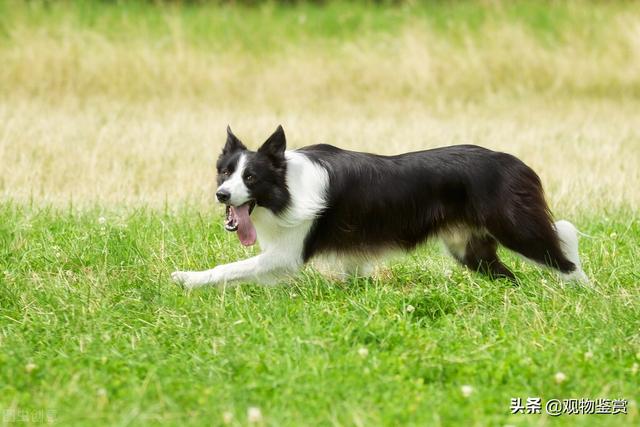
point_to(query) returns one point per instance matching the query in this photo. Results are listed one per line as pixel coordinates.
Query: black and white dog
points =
(321, 200)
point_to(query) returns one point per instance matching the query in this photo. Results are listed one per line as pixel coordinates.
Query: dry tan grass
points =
(417, 64)
(588, 156)
(91, 119)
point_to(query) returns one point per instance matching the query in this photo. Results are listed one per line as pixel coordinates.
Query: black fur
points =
(377, 202)
(268, 188)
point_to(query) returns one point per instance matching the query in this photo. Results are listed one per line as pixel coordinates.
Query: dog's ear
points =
(233, 143)
(275, 145)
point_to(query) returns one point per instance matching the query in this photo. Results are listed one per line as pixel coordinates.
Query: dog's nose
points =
(223, 195)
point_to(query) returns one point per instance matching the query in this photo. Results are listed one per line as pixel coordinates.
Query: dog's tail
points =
(568, 237)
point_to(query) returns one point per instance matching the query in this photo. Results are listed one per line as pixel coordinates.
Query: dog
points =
(322, 200)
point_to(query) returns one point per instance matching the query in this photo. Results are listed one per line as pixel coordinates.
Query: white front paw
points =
(184, 278)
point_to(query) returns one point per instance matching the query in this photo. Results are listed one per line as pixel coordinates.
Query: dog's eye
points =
(225, 172)
(250, 178)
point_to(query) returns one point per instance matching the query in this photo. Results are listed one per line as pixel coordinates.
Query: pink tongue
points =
(246, 230)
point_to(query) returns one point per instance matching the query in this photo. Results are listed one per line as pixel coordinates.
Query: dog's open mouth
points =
(238, 219)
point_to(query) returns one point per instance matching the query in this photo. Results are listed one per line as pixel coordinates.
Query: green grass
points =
(114, 342)
(269, 27)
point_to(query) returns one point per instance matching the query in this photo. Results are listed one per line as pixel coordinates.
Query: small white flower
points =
(363, 352)
(102, 220)
(102, 396)
(466, 390)
(410, 308)
(448, 273)
(634, 368)
(294, 295)
(30, 367)
(254, 415)
(227, 417)
(560, 377)
(588, 355)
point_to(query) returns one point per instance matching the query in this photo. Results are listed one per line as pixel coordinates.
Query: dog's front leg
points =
(264, 268)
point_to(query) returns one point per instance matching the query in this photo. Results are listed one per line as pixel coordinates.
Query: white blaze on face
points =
(235, 184)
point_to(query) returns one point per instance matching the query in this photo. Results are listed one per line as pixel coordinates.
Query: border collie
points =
(322, 200)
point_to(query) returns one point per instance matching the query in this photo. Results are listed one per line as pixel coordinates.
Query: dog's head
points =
(249, 178)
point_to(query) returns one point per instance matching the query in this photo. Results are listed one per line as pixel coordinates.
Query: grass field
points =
(111, 117)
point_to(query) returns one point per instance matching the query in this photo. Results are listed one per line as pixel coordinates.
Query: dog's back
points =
(399, 201)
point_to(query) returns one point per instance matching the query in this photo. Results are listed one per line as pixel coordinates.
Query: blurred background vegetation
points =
(426, 51)
(128, 101)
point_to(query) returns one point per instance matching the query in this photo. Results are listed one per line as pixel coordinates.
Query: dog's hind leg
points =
(477, 252)
(357, 267)
(481, 255)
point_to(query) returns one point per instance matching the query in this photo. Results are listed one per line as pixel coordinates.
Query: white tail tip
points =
(568, 236)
